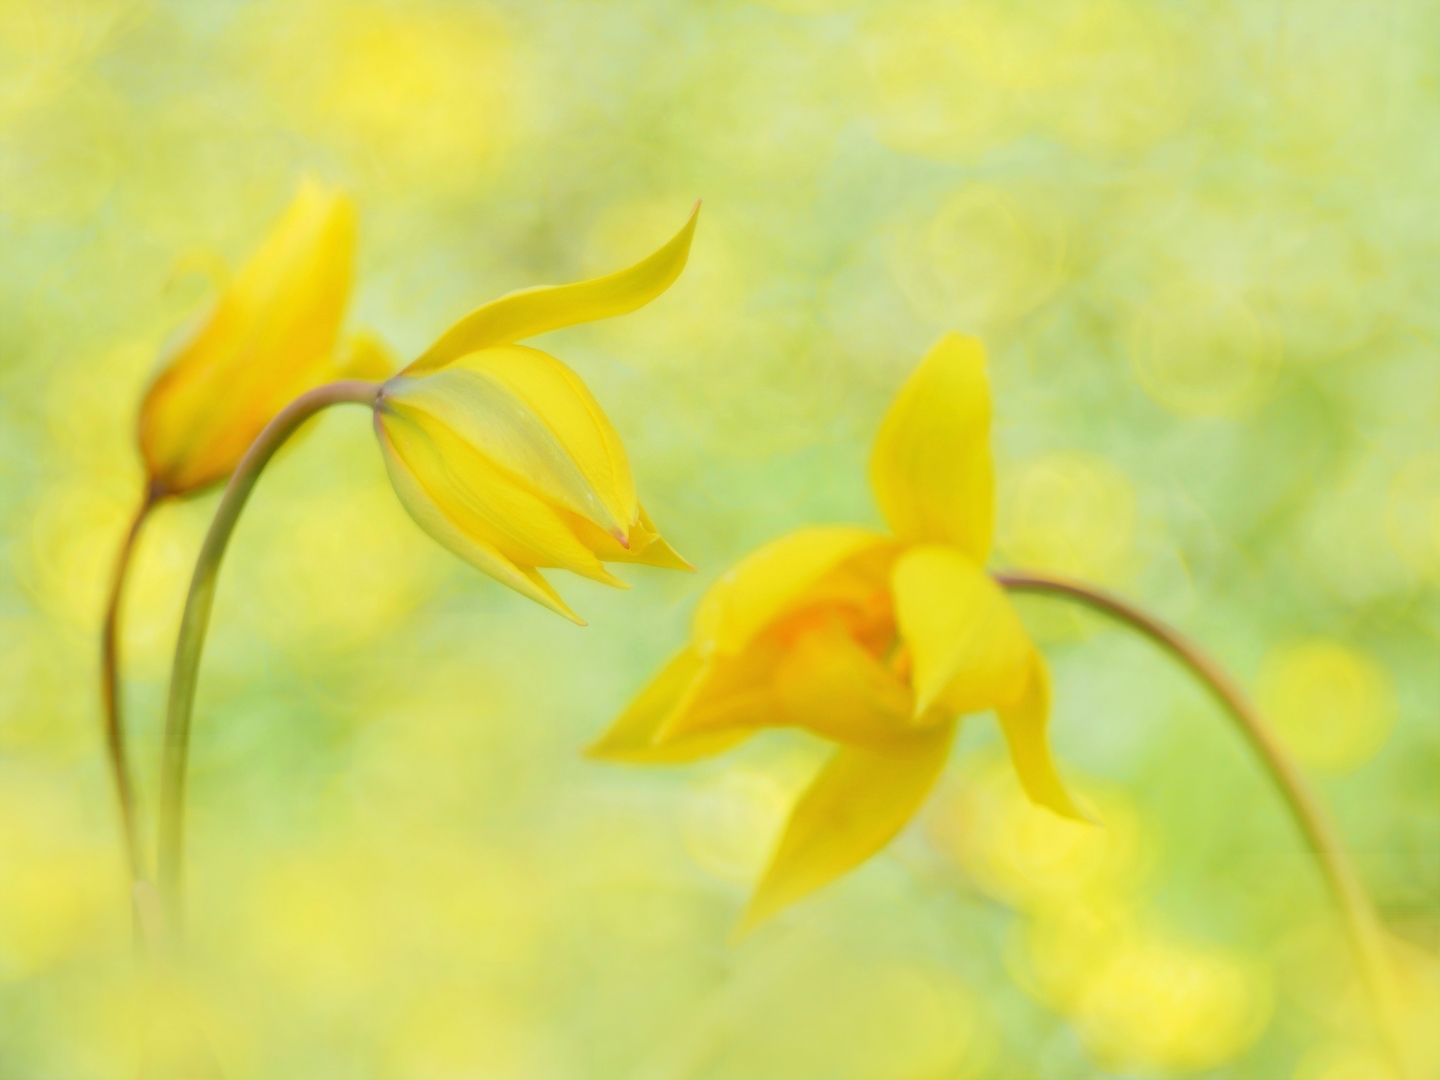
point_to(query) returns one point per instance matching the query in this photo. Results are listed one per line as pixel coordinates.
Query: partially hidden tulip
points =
(501, 454)
(876, 643)
(269, 335)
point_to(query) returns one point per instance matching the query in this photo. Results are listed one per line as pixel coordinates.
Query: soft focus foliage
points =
(1199, 239)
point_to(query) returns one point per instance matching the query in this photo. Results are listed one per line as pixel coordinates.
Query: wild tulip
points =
(269, 335)
(877, 643)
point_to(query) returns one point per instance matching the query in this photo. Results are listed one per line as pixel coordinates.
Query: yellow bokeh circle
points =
(986, 257)
(1026, 855)
(1332, 704)
(1200, 350)
(1069, 512)
(1164, 1005)
(930, 91)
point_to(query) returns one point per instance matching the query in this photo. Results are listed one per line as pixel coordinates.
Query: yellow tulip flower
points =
(877, 643)
(501, 454)
(268, 337)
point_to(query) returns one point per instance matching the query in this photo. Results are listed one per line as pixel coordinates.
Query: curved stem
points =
(197, 617)
(110, 691)
(1361, 922)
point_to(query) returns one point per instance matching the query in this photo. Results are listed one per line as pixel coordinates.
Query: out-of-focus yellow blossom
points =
(501, 454)
(269, 336)
(876, 643)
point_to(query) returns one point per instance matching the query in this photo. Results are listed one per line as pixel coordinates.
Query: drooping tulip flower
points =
(501, 454)
(269, 336)
(876, 643)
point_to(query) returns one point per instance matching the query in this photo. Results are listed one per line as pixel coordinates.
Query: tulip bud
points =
(268, 337)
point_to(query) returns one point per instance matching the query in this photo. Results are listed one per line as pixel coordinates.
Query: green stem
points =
(115, 743)
(1362, 925)
(197, 617)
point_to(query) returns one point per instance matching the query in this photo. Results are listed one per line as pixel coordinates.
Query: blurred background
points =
(1200, 240)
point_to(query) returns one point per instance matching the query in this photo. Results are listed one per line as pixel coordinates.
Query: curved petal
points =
(1024, 725)
(852, 809)
(730, 694)
(485, 501)
(523, 314)
(483, 411)
(968, 647)
(431, 517)
(752, 594)
(631, 738)
(268, 337)
(831, 686)
(931, 467)
(562, 400)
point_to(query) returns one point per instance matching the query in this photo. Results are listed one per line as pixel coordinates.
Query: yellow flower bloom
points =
(501, 454)
(268, 337)
(876, 643)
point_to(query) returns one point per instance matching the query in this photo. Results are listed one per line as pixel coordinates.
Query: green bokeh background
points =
(1199, 240)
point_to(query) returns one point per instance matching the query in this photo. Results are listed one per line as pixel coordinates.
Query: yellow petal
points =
(752, 594)
(931, 467)
(730, 694)
(631, 737)
(829, 685)
(528, 312)
(268, 338)
(564, 404)
(647, 547)
(488, 502)
(967, 645)
(1024, 725)
(483, 411)
(453, 535)
(852, 809)
(651, 549)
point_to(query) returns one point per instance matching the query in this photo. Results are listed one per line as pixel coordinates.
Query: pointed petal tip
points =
(678, 561)
(553, 602)
(565, 613)
(621, 537)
